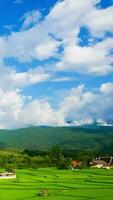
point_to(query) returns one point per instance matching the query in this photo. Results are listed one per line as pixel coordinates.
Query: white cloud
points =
(56, 36)
(10, 105)
(40, 112)
(86, 121)
(27, 45)
(47, 50)
(80, 105)
(67, 16)
(92, 59)
(100, 21)
(80, 13)
(19, 111)
(10, 79)
(60, 28)
(101, 122)
(107, 88)
(30, 19)
(62, 79)
(77, 104)
(30, 77)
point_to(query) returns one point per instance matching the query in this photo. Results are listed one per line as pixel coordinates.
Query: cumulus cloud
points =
(59, 29)
(80, 105)
(67, 16)
(47, 50)
(40, 112)
(17, 110)
(91, 59)
(56, 37)
(100, 21)
(10, 105)
(27, 45)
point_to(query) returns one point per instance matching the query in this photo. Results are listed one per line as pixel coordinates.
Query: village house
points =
(7, 175)
(102, 162)
(76, 164)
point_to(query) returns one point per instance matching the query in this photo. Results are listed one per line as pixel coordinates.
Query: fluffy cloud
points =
(80, 105)
(107, 88)
(10, 105)
(60, 28)
(47, 50)
(92, 59)
(40, 112)
(34, 43)
(67, 16)
(56, 36)
(100, 21)
(19, 111)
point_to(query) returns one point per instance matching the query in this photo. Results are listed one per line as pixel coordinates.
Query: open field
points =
(87, 184)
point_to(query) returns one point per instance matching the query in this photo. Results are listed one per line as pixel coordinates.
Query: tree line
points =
(55, 157)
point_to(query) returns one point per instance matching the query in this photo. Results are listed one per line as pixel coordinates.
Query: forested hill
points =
(74, 138)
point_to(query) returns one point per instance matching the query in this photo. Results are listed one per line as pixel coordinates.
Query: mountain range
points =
(92, 137)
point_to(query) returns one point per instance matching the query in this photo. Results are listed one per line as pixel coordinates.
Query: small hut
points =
(102, 162)
(98, 164)
(7, 175)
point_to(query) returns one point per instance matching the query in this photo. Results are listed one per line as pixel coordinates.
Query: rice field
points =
(87, 184)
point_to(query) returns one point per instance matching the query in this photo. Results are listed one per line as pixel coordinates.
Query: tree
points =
(56, 155)
(58, 159)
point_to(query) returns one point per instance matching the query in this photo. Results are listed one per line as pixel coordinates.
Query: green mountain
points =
(69, 138)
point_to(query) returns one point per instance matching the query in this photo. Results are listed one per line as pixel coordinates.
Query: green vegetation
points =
(87, 184)
(57, 158)
(14, 159)
(90, 138)
(35, 152)
(33, 147)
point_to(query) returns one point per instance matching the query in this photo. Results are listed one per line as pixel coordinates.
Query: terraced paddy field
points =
(87, 184)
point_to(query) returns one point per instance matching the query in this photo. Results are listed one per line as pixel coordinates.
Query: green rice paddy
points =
(87, 184)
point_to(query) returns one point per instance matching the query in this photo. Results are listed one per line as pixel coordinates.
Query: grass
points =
(87, 184)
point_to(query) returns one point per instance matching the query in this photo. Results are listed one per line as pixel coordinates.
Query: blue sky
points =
(11, 11)
(56, 62)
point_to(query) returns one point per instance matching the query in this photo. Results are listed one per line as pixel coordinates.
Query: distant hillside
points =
(74, 138)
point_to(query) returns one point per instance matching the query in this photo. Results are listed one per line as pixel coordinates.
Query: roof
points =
(107, 159)
(98, 162)
(6, 173)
